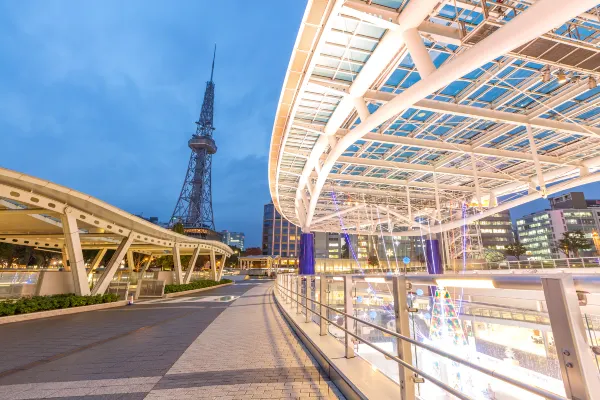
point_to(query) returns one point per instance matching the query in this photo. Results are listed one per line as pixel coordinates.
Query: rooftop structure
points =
(43, 215)
(390, 114)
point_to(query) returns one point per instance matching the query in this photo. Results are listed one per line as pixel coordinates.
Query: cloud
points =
(102, 97)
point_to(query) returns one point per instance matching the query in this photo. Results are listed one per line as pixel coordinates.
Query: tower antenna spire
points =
(213, 64)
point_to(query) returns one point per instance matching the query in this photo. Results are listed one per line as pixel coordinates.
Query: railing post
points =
(407, 385)
(288, 286)
(298, 298)
(323, 301)
(579, 373)
(349, 310)
(309, 280)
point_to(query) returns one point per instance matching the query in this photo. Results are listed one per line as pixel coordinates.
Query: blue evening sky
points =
(102, 96)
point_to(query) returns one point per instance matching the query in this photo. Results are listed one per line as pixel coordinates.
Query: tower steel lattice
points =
(194, 207)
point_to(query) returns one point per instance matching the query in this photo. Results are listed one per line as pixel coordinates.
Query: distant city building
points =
(234, 239)
(539, 232)
(496, 231)
(280, 237)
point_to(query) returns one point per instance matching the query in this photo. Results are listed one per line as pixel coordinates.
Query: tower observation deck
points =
(194, 207)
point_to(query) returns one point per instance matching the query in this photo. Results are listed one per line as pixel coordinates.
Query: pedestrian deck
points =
(240, 350)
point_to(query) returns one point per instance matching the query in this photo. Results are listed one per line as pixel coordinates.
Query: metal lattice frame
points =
(405, 108)
(194, 206)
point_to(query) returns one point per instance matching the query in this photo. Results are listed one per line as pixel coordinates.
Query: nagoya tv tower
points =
(194, 207)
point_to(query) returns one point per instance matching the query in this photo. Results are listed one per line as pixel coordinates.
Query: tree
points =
(233, 261)
(515, 249)
(178, 228)
(573, 242)
(373, 261)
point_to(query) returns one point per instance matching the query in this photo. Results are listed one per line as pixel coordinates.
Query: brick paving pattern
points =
(248, 352)
(239, 350)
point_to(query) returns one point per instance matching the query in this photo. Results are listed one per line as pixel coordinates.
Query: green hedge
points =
(44, 303)
(194, 285)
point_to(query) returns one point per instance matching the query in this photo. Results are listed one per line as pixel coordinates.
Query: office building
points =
(280, 237)
(233, 239)
(496, 231)
(539, 232)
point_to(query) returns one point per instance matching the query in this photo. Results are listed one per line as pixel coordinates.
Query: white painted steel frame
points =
(304, 172)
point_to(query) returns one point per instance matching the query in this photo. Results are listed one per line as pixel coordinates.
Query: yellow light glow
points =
(466, 283)
(338, 278)
(375, 280)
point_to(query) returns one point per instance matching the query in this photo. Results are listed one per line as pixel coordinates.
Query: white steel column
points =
(476, 181)
(418, 52)
(407, 386)
(73, 245)
(191, 264)
(177, 265)
(224, 260)
(113, 265)
(536, 160)
(213, 264)
(538, 19)
(348, 322)
(579, 372)
(323, 301)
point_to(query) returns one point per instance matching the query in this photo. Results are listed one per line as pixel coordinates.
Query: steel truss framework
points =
(408, 110)
(43, 215)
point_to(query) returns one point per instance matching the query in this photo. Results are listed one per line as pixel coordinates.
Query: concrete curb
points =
(168, 295)
(61, 311)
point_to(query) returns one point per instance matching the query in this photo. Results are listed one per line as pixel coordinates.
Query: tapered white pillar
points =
(113, 265)
(73, 247)
(191, 265)
(177, 265)
(213, 264)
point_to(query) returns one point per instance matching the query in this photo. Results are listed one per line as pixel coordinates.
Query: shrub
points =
(194, 285)
(45, 303)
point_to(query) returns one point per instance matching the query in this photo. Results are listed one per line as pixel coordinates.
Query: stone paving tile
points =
(248, 352)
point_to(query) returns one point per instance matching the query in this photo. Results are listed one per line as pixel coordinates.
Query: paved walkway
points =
(246, 351)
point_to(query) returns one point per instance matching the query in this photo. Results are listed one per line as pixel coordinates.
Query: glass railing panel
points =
(374, 303)
(490, 336)
(335, 299)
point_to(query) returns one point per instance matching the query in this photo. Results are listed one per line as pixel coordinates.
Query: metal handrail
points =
(398, 360)
(524, 386)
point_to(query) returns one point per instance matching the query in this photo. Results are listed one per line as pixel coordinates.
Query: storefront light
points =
(375, 280)
(466, 283)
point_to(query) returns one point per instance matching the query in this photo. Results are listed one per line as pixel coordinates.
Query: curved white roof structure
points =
(42, 214)
(394, 113)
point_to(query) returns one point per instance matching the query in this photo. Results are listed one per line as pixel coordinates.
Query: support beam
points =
(113, 265)
(223, 261)
(177, 265)
(533, 22)
(213, 264)
(370, 162)
(73, 247)
(338, 213)
(463, 148)
(538, 167)
(418, 52)
(191, 265)
(98, 259)
(398, 182)
(576, 360)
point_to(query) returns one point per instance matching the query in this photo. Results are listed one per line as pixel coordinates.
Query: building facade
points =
(280, 237)
(234, 239)
(496, 231)
(539, 232)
